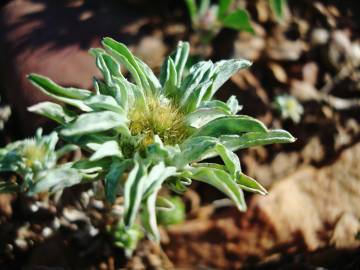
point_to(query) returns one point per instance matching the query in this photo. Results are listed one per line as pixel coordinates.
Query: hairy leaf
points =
(256, 138)
(102, 102)
(202, 116)
(55, 180)
(133, 191)
(230, 159)
(222, 181)
(231, 125)
(224, 70)
(249, 184)
(193, 150)
(52, 111)
(107, 149)
(95, 122)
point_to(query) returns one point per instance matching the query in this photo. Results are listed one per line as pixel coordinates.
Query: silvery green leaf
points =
(122, 53)
(202, 116)
(230, 159)
(130, 93)
(51, 87)
(71, 96)
(249, 184)
(233, 104)
(107, 65)
(52, 111)
(48, 141)
(95, 122)
(170, 79)
(199, 73)
(222, 181)
(157, 175)
(209, 165)
(107, 149)
(224, 70)
(151, 78)
(180, 56)
(133, 191)
(164, 71)
(101, 88)
(121, 93)
(57, 179)
(113, 178)
(92, 141)
(194, 149)
(231, 125)
(217, 105)
(256, 138)
(156, 151)
(195, 98)
(103, 102)
(148, 217)
(86, 166)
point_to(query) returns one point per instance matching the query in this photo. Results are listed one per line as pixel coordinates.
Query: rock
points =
(308, 211)
(319, 36)
(249, 46)
(310, 73)
(303, 90)
(340, 49)
(52, 38)
(5, 204)
(278, 72)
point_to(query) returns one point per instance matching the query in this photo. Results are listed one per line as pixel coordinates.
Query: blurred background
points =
(304, 78)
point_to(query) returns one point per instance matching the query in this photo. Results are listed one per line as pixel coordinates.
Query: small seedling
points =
(146, 134)
(35, 162)
(126, 238)
(175, 215)
(289, 107)
(208, 19)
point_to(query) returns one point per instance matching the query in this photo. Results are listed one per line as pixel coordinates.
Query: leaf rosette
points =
(147, 133)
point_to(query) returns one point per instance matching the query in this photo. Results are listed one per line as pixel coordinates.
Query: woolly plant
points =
(150, 133)
(288, 107)
(35, 163)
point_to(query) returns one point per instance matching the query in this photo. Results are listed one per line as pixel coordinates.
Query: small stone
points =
(319, 36)
(73, 215)
(21, 243)
(46, 232)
